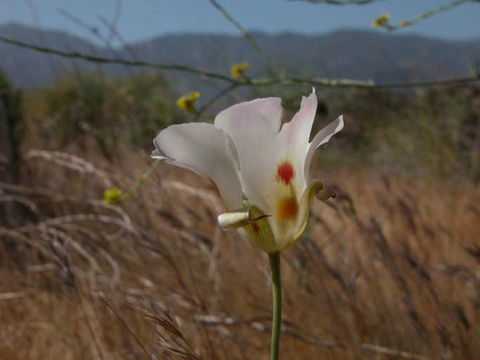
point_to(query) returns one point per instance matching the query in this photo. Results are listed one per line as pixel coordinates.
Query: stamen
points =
(240, 218)
(325, 194)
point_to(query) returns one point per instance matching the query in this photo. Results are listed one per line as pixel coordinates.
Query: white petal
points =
(253, 127)
(304, 212)
(295, 136)
(322, 137)
(300, 127)
(206, 150)
(264, 114)
(156, 154)
(267, 152)
(262, 147)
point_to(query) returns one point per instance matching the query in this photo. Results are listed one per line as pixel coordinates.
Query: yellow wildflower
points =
(112, 196)
(187, 101)
(382, 20)
(237, 70)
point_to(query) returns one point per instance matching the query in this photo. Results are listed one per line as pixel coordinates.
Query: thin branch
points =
(401, 24)
(113, 60)
(427, 14)
(240, 28)
(340, 2)
(257, 324)
(213, 99)
(125, 325)
(320, 82)
(115, 19)
(77, 21)
(348, 83)
(118, 36)
(13, 295)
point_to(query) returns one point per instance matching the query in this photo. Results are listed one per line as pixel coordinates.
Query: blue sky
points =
(140, 19)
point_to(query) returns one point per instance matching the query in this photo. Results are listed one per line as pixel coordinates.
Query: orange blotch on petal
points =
(285, 172)
(287, 208)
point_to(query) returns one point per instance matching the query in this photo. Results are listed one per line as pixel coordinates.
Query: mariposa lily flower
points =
(259, 165)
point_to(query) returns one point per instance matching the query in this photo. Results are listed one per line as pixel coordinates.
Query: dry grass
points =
(388, 270)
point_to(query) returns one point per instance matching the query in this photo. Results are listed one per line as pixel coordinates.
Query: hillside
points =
(346, 53)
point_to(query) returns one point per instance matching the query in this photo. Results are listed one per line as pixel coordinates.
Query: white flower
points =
(259, 165)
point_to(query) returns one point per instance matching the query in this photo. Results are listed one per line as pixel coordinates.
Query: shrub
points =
(117, 113)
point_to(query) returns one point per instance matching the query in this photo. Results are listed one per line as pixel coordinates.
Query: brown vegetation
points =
(388, 269)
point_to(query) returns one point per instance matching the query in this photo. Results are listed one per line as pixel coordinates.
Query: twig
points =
(339, 2)
(213, 99)
(320, 82)
(117, 35)
(114, 22)
(244, 32)
(347, 83)
(401, 24)
(90, 328)
(255, 323)
(113, 60)
(427, 14)
(124, 324)
(13, 295)
(93, 29)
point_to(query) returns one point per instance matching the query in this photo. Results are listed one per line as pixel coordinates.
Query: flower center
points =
(285, 172)
(287, 208)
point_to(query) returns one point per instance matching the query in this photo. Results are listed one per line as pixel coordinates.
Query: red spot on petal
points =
(285, 172)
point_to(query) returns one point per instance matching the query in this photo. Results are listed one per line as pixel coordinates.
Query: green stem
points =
(277, 304)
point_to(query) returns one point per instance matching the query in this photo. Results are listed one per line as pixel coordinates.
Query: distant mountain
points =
(347, 53)
(30, 68)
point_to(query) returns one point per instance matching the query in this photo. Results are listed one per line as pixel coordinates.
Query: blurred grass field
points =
(387, 270)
